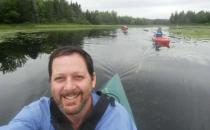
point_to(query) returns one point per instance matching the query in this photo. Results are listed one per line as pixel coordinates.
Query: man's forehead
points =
(73, 61)
(70, 57)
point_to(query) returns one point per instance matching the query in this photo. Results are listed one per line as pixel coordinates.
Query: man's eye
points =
(78, 77)
(58, 78)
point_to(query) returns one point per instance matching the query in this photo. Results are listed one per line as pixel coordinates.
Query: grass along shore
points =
(53, 26)
(198, 31)
(10, 29)
(193, 31)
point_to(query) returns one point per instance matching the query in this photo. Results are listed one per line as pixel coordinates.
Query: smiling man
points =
(74, 104)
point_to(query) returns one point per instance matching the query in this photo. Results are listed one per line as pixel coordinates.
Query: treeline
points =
(40, 11)
(59, 11)
(190, 17)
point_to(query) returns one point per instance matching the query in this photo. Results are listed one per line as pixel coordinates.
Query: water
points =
(167, 89)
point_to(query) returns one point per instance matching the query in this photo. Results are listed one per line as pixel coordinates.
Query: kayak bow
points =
(115, 89)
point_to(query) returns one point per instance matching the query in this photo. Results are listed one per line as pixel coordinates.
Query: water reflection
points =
(15, 51)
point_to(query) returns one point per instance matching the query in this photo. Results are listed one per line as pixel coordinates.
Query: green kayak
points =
(115, 89)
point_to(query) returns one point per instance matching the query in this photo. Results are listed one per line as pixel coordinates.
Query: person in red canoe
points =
(159, 32)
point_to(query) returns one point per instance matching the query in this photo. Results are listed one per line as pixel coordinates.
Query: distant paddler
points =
(159, 40)
(124, 28)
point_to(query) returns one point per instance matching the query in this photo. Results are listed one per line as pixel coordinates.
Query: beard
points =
(73, 103)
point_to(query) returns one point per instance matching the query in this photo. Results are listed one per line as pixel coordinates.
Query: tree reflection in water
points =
(15, 51)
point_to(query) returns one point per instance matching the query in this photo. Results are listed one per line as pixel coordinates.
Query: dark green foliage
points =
(40, 11)
(190, 17)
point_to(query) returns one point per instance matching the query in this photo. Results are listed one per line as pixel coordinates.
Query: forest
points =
(190, 17)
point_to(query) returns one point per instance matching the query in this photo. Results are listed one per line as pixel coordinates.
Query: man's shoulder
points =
(117, 109)
(41, 102)
(116, 117)
(35, 108)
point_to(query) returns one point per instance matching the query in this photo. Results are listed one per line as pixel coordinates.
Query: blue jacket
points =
(36, 116)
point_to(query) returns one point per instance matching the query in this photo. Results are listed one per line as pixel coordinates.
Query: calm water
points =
(168, 89)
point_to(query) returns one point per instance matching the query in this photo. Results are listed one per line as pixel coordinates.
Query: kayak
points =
(114, 88)
(161, 41)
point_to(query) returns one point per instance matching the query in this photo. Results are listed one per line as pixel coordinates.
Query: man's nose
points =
(69, 84)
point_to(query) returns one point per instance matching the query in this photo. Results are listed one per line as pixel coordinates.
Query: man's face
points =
(71, 84)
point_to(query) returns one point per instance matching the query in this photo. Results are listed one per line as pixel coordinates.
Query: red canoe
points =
(162, 41)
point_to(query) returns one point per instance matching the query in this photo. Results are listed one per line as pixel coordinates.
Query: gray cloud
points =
(145, 8)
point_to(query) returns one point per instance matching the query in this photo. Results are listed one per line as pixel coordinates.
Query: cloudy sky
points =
(145, 8)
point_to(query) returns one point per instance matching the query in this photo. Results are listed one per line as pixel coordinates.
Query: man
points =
(159, 32)
(74, 104)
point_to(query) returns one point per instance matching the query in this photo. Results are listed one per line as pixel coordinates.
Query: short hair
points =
(69, 50)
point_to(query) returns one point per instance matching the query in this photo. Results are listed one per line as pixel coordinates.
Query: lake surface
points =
(168, 89)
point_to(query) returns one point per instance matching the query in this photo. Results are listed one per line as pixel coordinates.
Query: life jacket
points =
(159, 34)
(60, 121)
